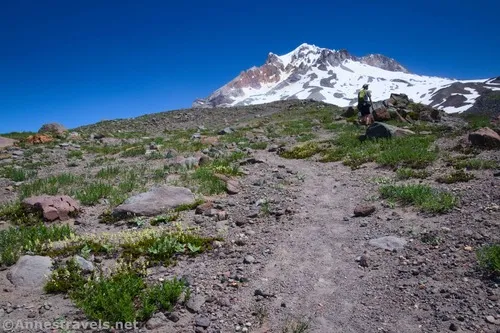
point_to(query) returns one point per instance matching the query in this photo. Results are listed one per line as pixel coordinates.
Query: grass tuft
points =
(407, 173)
(456, 177)
(92, 193)
(426, 198)
(17, 174)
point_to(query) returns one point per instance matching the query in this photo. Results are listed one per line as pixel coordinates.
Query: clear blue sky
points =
(77, 62)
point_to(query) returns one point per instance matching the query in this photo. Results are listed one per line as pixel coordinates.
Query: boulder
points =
(381, 130)
(157, 201)
(485, 138)
(30, 272)
(6, 142)
(381, 114)
(398, 100)
(39, 139)
(59, 207)
(227, 130)
(53, 128)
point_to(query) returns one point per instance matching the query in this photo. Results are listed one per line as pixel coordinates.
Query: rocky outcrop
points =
(61, 207)
(485, 138)
(157, 201)
(55, 129)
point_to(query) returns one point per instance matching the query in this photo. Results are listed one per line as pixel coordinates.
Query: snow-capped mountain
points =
(335, 76)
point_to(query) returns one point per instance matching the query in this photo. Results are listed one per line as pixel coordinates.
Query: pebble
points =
(492, 320)
(31, 315)
(249, 260)
(453, 327)
(202, 321)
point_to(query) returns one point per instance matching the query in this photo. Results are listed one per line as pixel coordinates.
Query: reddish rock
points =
(204, 209)
(364, 210)
(232, 185)
(39, 138)
(485, 137)
(53, 207)
(381, 114)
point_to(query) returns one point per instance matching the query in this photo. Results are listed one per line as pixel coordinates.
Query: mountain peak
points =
(335, 76)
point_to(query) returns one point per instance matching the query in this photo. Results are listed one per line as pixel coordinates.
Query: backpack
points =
(361, 96)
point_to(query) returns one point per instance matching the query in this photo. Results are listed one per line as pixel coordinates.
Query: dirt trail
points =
(313, 272)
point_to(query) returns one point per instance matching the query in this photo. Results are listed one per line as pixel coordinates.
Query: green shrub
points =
(65, 278)
(18, 215)
(303, 151)
(489, 258)
(426, 198)
(474, 164)
(52, 185)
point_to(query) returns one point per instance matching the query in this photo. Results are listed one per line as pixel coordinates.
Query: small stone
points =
(31, 315)
(202, 321)
(364, 210)
(195, 303)
(237, 328)
(493, 298)
(249, 260)
(362, 260)
(157, 321)
(283, 305)
(85, 265)
(244, 329)
(7, 290)
(241, 223)
(346, 218)
(492, 320)
(453, 327)
(47, 306)
(173, 317)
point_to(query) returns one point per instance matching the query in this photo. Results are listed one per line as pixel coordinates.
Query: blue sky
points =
(78, 62)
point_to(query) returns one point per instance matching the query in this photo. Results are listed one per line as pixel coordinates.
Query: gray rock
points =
(202, 321)
(492, 320)
(249, 260)
(17, 153)
(379, 130)
(195, 303)
(84, 264)
(158, 320)
(196, 136)
(227, 130)
(156, 201)
(390, 243)
(173, 317)
(53, 128)
(30, 271)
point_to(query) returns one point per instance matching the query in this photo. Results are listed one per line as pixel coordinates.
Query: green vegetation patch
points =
(407, 173)
(424, 197)
(15, 241)
(489, 259)
(17, 174)
(123, 296)
(456, 177)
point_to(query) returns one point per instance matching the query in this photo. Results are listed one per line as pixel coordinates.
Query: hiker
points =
(364, 105)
